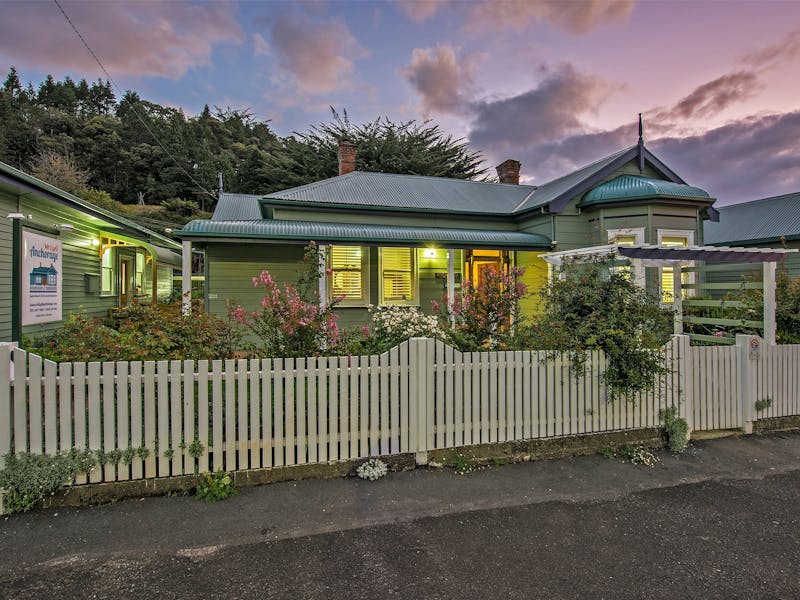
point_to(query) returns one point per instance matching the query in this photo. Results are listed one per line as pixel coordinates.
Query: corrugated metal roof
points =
(765, 220)
(632, 187)
(351, 232)
(390, 190)
(233, 207)
(23, 179)
(551, 190)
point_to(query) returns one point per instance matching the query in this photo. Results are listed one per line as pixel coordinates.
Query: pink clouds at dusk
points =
(154, 38)
(553, 84)
(319, 57)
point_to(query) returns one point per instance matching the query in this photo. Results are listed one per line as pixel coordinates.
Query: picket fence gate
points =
(165, 418)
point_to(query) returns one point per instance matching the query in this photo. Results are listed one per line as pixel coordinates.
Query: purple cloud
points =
(715, 96)
(131, 38)
(442, 80)
(537, 117)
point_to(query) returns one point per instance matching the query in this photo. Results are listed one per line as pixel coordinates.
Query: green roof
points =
(20, 179)
(758, 221)
(408, 192)
(304, 231)
(633, 187)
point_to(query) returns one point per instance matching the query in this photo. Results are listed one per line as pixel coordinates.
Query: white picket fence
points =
(166, 418)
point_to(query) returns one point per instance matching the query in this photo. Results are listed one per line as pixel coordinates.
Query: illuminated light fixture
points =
(430, 253)
(95, 242)
(15, 215)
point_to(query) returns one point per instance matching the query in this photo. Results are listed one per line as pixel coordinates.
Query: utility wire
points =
(133, 108)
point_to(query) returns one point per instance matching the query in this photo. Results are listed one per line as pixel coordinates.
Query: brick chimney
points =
(347, 157)
(508, 171)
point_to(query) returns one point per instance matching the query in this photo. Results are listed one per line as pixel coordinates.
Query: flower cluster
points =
(403, 322)
(287, 324)
(483, 316)
(372, 469)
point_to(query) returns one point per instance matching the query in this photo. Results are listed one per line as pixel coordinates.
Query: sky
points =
(554, 84)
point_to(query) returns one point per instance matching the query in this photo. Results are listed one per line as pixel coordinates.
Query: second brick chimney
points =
(508, 171)
(347, 157)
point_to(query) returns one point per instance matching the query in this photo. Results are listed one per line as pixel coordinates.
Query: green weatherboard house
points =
(408, 240)
(106, 261)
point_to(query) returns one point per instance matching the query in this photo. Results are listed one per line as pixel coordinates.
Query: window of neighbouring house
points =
(674, 239)
(348, 277)
(108, 273)
(398, 276)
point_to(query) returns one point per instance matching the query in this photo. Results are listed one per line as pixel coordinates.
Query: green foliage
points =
(608, 452)
(196, 449)
(108, 140)
(216, 486)
(763, 404)
(787, 310)
(140, 332)
(638, 455)
(290, 321)
(462, 464)
(676, 429)
(29, 478)
(594, 307)
(486, 315)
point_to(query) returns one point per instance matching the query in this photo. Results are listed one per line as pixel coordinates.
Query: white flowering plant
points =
(394, 324)
(372, 469)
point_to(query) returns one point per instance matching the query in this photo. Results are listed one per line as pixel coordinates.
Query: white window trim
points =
(364, 302)
(414, 280)
(638, 233)
(689, 235)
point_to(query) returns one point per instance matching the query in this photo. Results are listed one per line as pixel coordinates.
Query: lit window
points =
(668, 273)
(108, 279)
(629, 237)
(348, 274)
(398, 278)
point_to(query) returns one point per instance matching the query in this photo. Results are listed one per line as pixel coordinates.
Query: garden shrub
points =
(216, 486)
(594, 307)
(140, 332)
(290, 321)
(27, 479)
(485, 316)
(676, 429)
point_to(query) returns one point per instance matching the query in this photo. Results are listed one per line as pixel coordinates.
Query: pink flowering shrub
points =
(286, 323)
(484, 316)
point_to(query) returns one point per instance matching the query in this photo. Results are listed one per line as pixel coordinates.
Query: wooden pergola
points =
(680, 258)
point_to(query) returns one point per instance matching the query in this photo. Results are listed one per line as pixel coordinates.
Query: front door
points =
(126, 274)
(481, 262)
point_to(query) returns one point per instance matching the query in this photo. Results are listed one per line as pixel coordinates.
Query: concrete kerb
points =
(521, 451)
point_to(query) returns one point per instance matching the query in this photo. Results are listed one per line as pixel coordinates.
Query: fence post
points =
(418, 367)
(747, 356)
(685, 379)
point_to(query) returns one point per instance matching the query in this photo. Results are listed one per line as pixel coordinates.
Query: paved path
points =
(721, 521)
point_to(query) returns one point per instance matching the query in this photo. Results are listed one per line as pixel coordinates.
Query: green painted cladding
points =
(7, 205)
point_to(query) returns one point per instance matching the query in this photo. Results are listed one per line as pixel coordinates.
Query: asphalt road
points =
(712, 535)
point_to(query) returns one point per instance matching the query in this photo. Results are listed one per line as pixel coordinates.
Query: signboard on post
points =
(42, 279)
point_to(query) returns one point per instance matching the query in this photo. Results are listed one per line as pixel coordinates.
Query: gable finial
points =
(641, 144)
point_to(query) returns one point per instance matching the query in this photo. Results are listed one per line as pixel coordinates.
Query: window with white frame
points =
(674, 238)
(629, 237)
(348, 275)
(398, 277)
(108, 273)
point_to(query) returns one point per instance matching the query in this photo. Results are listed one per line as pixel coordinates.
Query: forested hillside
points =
(79, 135)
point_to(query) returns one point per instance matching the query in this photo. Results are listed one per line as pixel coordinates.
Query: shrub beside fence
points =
(158, 419)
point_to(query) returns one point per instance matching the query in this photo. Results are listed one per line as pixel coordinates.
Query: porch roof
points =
(658, 256)
(278, 231)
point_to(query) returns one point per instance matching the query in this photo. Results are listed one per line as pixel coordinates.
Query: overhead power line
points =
(133, 107)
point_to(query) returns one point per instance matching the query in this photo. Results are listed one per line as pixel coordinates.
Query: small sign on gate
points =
(755, 349)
